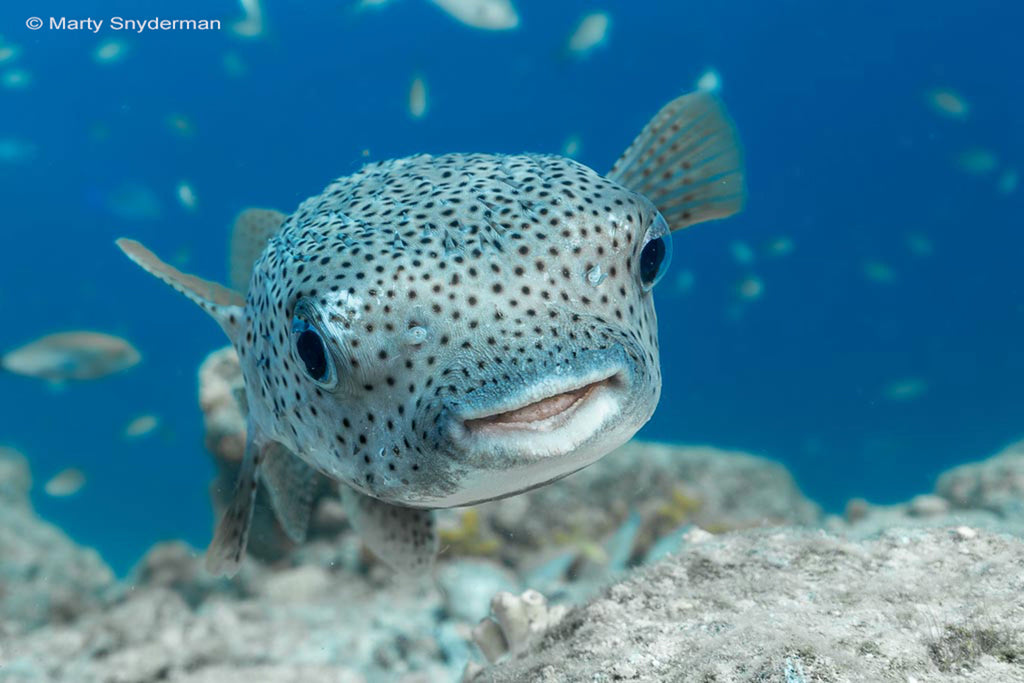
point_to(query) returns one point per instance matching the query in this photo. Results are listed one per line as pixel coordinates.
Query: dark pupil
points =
(651, 258)
(311, 351)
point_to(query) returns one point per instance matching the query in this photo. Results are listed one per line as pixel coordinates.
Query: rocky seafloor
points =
(658, 563)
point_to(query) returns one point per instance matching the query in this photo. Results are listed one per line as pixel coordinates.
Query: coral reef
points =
(44, 576)
(988, 494)
(326, 611)
(666, 487)
(995, 484)
(515, 623)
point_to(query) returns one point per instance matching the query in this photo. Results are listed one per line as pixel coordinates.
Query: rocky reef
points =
(799, 606)
(658, 563)
(45, 578)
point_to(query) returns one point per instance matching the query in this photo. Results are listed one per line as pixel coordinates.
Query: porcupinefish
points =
(439, 331)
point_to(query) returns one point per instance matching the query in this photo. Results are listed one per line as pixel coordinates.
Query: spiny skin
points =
(440, 285)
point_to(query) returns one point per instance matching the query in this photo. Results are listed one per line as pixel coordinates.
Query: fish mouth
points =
(545, 414)
(511, 436)
(549, 417)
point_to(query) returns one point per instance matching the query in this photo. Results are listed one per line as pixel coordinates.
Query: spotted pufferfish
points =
(439, 331)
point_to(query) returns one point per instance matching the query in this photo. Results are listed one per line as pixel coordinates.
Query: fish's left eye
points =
(656, 253)
(312, 351)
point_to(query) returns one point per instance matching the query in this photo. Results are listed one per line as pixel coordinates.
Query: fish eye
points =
(311, 349)
(656, 253)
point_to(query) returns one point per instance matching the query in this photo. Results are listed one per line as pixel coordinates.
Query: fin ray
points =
(687, 161)
(224, 555)
(291, 484)
(224, 305)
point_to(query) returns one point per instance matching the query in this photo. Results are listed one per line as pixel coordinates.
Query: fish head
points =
(439, 331)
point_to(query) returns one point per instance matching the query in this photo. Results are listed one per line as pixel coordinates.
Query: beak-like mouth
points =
(512, 436)
(544, 414)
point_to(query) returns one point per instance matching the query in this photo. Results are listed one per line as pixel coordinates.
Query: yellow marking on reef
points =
(469, 538)
(679, 507)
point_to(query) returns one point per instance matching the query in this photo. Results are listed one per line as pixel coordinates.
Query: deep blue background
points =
(844, 157)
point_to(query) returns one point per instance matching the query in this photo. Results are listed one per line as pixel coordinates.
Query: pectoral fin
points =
(291, 484)
(249, 236)
(403, 538)
(224, 556)
(687, 161)
(224, 305)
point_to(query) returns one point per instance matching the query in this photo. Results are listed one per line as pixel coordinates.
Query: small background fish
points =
(71, 356)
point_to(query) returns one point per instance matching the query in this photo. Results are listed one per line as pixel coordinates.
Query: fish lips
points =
(542, 425)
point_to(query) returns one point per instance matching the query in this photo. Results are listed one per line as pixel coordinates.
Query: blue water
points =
(844, 155)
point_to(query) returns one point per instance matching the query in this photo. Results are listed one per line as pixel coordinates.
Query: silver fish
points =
(439, 331)
(78, 355)
(490, 15)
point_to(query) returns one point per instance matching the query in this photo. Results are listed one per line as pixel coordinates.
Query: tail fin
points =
(224, 305)
(687, 161)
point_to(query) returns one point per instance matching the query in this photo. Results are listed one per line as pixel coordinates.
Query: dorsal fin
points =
(687, 161)
(249, 236)
(224, 305)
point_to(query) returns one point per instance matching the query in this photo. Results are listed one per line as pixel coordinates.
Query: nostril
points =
(415, 335)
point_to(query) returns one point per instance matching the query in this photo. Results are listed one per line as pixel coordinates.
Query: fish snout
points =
(515, 428)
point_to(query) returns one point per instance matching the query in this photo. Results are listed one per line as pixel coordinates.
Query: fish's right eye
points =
(311, 350)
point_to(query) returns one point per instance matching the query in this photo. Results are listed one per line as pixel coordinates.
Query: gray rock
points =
(927, 505)
(178, 567)
(44, 576)
(995, 484)
(793, 605)
(308, 625)
(988, 494)
(15, 478)
(273, 674)
(304, 584)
